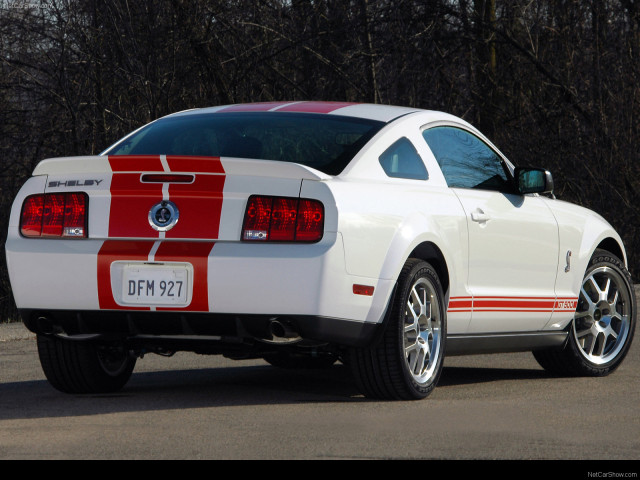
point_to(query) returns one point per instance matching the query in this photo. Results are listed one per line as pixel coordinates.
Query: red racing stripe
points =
(199, 202)
(253, 107)
(315, 107)
(460, 304)
(135, 163)
(131, 201)
(307, 107)
(111, 251)
(200, 205)
(497, 304)
(194, 164)
(196, 253)
(512, 304)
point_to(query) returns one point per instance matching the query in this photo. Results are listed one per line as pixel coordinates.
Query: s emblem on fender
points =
(568, 267)
(163, 216)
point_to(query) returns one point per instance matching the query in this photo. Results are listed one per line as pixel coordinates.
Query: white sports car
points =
(305, 233)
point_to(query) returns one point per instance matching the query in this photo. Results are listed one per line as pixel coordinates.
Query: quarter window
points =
(466, 161)
(401, 160)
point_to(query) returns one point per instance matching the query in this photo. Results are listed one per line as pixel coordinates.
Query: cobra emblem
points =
(163, 216)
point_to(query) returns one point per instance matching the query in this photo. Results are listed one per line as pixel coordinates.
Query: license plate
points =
(155, 285)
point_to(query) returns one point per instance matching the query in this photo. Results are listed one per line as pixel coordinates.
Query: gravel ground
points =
(14, 331)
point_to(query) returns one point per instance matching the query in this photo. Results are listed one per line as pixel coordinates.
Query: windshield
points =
(324, 142)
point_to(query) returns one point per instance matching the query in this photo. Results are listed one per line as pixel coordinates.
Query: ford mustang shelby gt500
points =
(305, 233)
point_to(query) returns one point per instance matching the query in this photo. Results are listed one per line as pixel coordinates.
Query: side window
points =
(466, 161)
(401, 160)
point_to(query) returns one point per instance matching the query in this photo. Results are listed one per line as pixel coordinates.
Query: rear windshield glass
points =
(324, 142)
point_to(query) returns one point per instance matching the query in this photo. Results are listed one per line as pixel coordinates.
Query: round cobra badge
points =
(163, 216)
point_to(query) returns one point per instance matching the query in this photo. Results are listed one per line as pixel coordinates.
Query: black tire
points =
(300, 361)
(383, 370)
(602, 330)
(83, 367)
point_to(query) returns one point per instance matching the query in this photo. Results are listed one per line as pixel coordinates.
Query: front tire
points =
(83, 367)
(603, 326)
(406, 363)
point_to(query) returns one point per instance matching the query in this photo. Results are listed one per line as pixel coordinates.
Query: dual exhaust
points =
(281, 332)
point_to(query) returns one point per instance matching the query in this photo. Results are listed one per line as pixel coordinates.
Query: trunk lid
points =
(198, 198)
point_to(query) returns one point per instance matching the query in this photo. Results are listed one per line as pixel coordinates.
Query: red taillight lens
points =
(310, 221)
(283, 219)
(31, 220)
(55, 215)
(75, 215)
(257, 219)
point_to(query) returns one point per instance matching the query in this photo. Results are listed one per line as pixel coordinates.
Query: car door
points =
(513, 238)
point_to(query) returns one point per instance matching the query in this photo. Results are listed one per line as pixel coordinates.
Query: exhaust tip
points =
(45, 325)
(282, 332)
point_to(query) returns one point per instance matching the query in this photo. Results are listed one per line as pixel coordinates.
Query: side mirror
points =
(533, 180)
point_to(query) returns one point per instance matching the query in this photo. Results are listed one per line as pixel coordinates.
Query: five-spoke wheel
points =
(603, 317)
(603, 325)
(407, 361)
(422, 327)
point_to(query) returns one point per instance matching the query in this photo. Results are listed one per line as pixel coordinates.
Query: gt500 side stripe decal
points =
(512, 304)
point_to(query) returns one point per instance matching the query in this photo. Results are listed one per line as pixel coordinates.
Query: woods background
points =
(552, 83)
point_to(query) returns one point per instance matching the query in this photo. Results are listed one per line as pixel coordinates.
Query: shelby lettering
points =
(74, 183)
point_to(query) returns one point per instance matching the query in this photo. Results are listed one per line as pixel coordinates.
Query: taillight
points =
(283, 219)
(55, 215)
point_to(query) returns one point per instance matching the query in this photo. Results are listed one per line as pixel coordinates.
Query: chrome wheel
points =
(602, 319)
(422, 331)
(406, 361)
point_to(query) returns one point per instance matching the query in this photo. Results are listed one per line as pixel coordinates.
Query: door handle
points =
(479, 216)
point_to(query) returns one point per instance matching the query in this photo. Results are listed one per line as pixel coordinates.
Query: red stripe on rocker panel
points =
(111, 251)
(514, 303)
(460, 304)
(131, 201)
(196, 253)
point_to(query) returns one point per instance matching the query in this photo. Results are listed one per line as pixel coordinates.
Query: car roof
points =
(383, 113)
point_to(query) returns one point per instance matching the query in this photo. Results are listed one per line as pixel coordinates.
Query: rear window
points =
(324, 142)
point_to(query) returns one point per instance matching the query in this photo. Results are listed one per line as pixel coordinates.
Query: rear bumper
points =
(229, 277)
(71, 286)
(180, 329)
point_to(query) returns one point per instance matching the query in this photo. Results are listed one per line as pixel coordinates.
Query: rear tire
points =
(406, 363)
(602, 329)
(83, 367)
